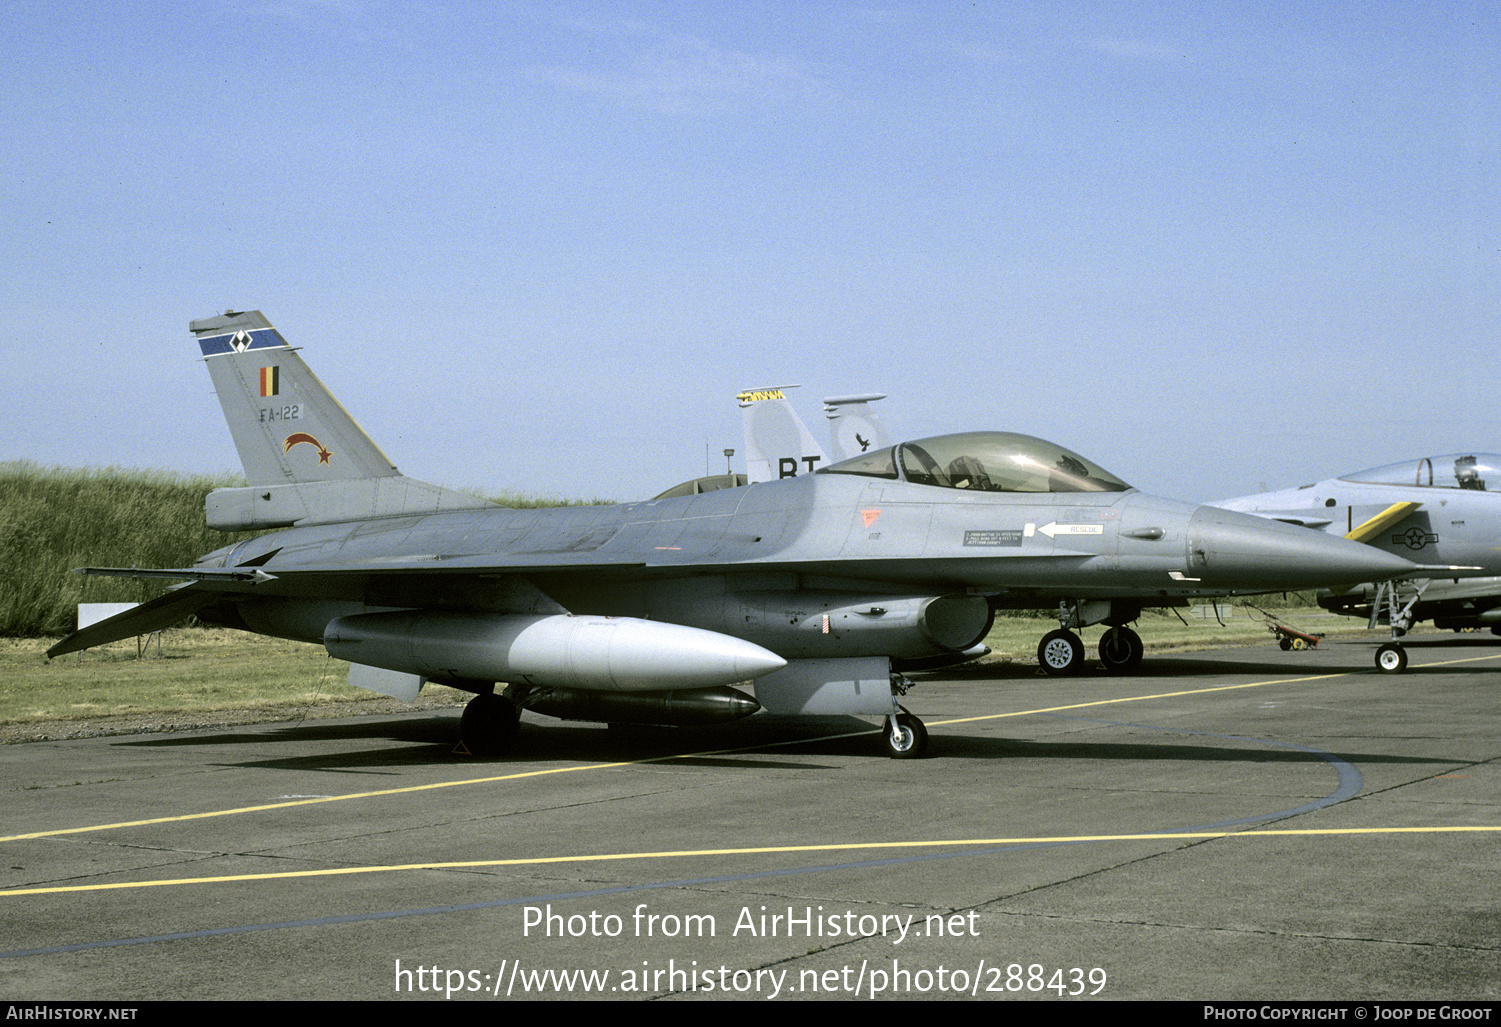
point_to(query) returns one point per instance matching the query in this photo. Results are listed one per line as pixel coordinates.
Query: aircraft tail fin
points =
(286, 424)
(854, 427)
(307, 460)
(777, 442)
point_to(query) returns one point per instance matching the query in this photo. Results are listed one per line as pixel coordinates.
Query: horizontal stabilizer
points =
(1385, 519)
(159, 613)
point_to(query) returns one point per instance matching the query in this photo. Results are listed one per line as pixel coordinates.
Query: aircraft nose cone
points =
(1235, 550)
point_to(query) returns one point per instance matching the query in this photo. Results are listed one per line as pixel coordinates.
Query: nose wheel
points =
(1392, 658)
(906, 737)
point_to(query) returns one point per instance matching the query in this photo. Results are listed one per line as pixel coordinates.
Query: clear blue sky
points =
(541, 245)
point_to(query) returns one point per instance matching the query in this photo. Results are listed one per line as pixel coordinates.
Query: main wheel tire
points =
(1391, 659)
(489, 724)
(1060, 653)
(911, 737)
(1121, 650)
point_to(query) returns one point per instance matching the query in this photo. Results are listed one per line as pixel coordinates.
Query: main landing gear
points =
(1121, 650)
(1062, 652)
(906, 736)
(1391, 658)
(490, 723)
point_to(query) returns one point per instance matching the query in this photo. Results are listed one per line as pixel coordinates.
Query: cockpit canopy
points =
(983, 461)
(1455, 471)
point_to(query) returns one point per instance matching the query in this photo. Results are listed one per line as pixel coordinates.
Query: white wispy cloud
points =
(636, 64)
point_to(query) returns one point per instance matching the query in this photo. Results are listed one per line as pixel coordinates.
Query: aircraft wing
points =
(399, 582)
(1385, 519)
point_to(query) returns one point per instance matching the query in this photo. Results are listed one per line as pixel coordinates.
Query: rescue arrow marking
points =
(1055, 529)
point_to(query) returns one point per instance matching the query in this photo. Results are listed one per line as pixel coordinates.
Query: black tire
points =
(1391, 659)
(1121, 650)
(1285, 643)
(489, 725)
(912, 737)
(1060, 653)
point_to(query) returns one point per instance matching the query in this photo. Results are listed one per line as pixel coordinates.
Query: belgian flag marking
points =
(270, 381)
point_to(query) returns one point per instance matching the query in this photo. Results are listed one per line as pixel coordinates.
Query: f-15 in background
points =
(821, 589)
(779, 445)
(1439, 510)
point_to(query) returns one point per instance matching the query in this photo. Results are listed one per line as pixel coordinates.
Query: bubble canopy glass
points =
(984, 461)
(1478, 471)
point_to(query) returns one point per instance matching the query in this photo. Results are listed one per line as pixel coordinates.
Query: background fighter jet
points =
(779, 445)
(1440, 510)
(820, 588)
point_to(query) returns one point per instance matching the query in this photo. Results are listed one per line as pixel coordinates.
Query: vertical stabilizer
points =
(306, 459)
(854, 427)
(286, 425)
(777, 443)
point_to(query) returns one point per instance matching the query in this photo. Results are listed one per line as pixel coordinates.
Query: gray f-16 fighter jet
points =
(821, 589)
(1440, 510)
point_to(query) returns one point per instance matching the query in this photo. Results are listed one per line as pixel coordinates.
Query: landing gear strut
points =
(1391, 658)
(906, 736)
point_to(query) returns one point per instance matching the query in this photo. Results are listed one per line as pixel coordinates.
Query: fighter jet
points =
(1466, 604)
(820, 589)
(1442, 510)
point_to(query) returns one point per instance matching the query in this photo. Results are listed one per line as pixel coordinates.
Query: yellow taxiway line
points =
(520, 775)
(763, 850)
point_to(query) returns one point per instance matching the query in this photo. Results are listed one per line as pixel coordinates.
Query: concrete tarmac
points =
(1243, 824)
